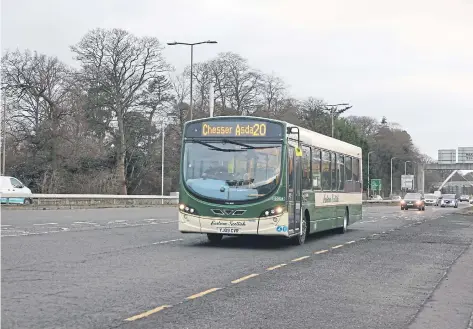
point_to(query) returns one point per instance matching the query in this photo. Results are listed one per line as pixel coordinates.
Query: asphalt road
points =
(131, 268)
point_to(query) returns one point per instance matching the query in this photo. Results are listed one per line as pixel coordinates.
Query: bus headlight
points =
(272, 212)
(187, 209)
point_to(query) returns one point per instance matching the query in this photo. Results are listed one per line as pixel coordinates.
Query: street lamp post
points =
(192, 62)
(405, 166)
(392, 175)
(332, 111)
(369, 172)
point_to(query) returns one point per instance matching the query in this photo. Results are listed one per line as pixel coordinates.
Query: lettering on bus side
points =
(331, 198)
(229, 223)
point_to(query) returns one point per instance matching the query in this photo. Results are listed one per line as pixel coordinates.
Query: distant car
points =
(376, 197)
(413, 200)
(431, 200)
(449, 200)
(396, 198)
(464, 198)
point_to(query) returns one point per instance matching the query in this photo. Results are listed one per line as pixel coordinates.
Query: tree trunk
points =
(121, 155)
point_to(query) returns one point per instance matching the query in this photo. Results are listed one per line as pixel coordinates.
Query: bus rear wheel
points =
(214, 238)
(343, 229)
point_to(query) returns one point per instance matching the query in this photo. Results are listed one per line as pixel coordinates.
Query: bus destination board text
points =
(243, 130)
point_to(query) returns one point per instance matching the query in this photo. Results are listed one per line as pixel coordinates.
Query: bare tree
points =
(120, 65)
(39, 85)
(273, 91)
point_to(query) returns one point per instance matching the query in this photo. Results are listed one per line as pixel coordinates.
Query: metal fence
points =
(110, 200)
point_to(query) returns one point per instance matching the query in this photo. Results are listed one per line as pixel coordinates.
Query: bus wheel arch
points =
(307, 220)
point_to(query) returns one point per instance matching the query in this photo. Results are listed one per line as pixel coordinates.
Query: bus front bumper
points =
(272, 225)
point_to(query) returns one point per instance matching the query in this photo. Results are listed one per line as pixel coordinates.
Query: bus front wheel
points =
(214, 237)
(300, 238)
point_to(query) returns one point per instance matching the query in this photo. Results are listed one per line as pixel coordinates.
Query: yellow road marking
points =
(245, 278)
(339, 246)
(275, 267)
(147, 313)
(321, 252)
(203, 293)
(350, 242)
(300, 258)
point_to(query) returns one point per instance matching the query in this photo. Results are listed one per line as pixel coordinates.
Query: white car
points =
(431, 200)
(449, 200)
(14, 191)
(464, 198)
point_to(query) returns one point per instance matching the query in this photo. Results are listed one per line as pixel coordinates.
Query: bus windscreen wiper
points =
(215, 147)
(248, 147)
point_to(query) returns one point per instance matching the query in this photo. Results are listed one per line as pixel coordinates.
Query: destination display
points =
(225, 129)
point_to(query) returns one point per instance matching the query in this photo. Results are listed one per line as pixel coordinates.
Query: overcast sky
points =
(409, 60)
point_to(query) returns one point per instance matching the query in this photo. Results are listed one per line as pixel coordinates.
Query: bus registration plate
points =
(228, 230)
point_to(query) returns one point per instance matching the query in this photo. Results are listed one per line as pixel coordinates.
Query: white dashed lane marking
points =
(43, 224)
(168, 241)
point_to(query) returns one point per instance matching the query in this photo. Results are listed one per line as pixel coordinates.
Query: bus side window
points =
(356, 170)
(316, 172)
(326, 171)
(348, 173)
(341, 172)
(333, 157)
(356, 174)
(305, 168)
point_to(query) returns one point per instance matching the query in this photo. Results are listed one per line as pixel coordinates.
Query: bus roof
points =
(307, 136)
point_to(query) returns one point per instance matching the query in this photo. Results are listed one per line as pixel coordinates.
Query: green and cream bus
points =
(254, 176)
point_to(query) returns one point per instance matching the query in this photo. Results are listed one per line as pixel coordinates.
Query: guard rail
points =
(110, 200)
(87, 200)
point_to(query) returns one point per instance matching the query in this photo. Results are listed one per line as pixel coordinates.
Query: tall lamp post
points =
(192, 62)
(369, 172)
(392, 175)
(405, 166)
(332, 109)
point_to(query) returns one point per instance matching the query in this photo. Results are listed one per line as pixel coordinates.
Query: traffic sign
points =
(407, 182)
(376, 184)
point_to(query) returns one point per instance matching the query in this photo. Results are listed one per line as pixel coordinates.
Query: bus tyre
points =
(343, 229)
(27, 202)
(300, 238)
(214, 238)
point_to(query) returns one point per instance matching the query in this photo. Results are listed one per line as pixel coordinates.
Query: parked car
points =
(449, 200)
(413, 200)
(464, 198)
(431, 200)
(18, 192)
(376, 197)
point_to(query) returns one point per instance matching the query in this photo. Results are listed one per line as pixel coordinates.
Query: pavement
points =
(131, 268)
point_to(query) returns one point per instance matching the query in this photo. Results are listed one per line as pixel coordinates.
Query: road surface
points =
(131, 268)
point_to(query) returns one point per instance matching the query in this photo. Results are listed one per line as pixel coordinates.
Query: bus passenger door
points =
(294, 177)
